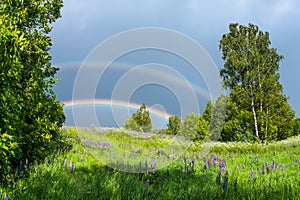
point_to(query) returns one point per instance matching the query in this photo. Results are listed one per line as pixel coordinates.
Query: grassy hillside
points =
(171, 169)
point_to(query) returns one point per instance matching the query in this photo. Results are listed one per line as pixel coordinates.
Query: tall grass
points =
(228, 171)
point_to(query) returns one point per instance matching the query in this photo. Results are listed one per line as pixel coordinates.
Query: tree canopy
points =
(251, 72)
(30, 114)
(140, 120)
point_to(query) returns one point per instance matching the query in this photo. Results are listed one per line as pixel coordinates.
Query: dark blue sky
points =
(84, 24)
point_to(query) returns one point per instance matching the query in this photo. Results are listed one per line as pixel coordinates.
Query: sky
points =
(85, 24)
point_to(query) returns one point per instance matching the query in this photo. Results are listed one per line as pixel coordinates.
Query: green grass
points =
(92, 179)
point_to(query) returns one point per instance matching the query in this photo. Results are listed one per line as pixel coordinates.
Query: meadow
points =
(117, 164)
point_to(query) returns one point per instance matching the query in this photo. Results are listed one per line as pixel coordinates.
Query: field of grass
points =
(162, 167)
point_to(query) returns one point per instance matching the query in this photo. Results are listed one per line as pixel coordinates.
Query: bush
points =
(30, 116)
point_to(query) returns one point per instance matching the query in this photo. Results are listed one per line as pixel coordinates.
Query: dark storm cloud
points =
(86, 23)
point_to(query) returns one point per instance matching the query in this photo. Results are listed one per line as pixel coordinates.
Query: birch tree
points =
(251, 72)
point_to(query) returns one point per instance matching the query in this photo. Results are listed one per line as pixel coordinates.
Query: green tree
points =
(131, 124)
(30, 115)
(218, 118)
(202, 130)
(251, 73)
(296, 127)
(238, 124)
(173, 125)
(190, 126)
(140, 120)
(207, 113)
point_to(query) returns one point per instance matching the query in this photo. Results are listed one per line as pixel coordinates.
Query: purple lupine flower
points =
(261, 171)
(208, 163)
(146, 165)
(223, 164)
(20, 165)
(154, 164)
(235, 185)
(277, 166)
(212, 155)
(65, 165)
(252, 174)
(204, 159)
(267, 167)
(26, 163)
(72, 167)
(5, 197)
(193, 165)
(272, 164)
(218, 178)
(225, 182)
(215, 161)
(148, 181)
(160, 178)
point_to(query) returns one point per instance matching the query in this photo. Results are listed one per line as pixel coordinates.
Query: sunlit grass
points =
(192, 175)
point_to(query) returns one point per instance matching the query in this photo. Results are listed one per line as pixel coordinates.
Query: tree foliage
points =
(140, 120)
(207, 113)
(173, 125)
(30, 114)
(194, 127)
(217, 117)
(251, 73)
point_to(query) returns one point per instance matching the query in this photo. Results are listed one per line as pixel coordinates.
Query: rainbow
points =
(125, 66)
(110, 103)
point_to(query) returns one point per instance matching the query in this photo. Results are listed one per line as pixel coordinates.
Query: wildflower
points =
(267, 167)
(252, 174)
(160, 178)
(65, 165)
(272, 164)
(215, 161)
(20, 166)
(148, 181)
(204, 159)
(225, 182)
(193, 164)
(146, 165)
(235, 185)
(154, 165)
(208, 163)
(26, 163)
(72, 167)
(223, 164)
(262, 171)
(5, 197)
(218, 178)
